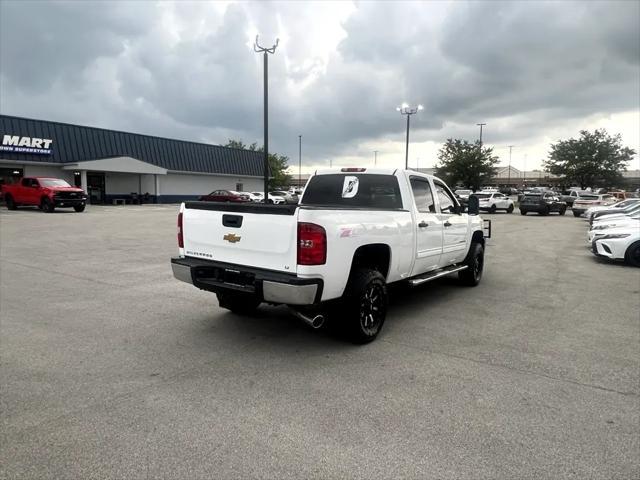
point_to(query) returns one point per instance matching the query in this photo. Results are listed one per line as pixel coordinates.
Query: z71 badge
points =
(231, 238)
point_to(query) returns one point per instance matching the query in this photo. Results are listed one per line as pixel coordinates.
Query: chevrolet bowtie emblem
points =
(231, 238)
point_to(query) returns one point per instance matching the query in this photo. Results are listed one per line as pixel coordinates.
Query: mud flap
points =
(486, 228)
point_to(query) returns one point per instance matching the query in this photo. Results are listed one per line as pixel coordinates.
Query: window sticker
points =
(350, 187)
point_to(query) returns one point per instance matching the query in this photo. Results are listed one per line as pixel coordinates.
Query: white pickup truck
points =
(354, 231)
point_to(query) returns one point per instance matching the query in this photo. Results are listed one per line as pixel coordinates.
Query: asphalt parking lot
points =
(112, 369)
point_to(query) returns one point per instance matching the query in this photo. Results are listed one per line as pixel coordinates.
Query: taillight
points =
(312, 244)
(180, 237)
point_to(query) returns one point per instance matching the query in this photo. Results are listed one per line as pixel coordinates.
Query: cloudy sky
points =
(535, 72)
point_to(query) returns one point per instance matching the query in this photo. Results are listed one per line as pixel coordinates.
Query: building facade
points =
(111, 165)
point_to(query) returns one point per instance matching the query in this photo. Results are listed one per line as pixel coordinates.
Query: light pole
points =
(257, 48)
(375, 158)
(300, 161)
(481, 125)
(405, 109)
(509, 174)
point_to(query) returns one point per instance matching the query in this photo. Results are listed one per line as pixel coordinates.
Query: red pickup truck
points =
(44, 192)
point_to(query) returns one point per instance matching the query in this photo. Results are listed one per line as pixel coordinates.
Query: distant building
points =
(111, 165)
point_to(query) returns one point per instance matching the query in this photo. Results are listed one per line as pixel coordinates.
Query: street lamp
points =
(481, 125)
(260, 49)
(405, 109)
(300, 161)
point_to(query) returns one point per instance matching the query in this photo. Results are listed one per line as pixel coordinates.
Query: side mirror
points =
(474, 205)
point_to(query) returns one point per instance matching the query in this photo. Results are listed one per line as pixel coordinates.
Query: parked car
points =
(225, 196)
(352, 234)
(44, 192)
(542, 203)
(628, 211)
(258, 197)
(491, 202)
(509, 191)
(618, 243)
(613, 208)
(463, 193)
(632, 221)
(571, 196)
(288, 197)
(463, 196)
(591, 200)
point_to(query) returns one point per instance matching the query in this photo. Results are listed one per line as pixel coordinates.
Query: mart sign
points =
(18, 144)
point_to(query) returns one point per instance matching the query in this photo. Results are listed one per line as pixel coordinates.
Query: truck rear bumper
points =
(269, 285)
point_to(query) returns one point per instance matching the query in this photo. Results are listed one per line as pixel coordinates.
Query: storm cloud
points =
(187, 70)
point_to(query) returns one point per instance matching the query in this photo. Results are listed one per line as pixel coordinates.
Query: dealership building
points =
(113, 166)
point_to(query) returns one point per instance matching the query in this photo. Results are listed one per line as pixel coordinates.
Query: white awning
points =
(117, 164)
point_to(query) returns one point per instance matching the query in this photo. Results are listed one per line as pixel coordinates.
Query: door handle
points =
(447, 224)
(423, 224)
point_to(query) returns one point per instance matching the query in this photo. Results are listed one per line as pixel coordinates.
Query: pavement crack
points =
(519, 370)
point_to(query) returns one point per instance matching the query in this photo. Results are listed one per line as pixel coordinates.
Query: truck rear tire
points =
(472, 275)
(238, 302)
(366, 300)
(47, 205)
(11, 205)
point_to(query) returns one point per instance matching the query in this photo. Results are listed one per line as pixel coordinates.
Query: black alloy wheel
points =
(576, 214)
(47, 205)
(492, 209)
(632, 255)
(510, 209)
(523, 212)
(366, 305)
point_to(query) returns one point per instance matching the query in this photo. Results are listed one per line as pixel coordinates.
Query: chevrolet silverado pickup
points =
(44, 192)
(354, 231)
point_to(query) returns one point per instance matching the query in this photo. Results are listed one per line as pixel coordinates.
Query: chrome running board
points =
(427, 277)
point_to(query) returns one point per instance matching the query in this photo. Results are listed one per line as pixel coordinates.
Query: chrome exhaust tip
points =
(314, 322)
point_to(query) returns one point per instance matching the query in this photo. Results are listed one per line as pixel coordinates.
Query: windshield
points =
(53, 182)
(588, 197)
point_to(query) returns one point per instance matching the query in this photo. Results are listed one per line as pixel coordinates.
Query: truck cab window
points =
(422, 195)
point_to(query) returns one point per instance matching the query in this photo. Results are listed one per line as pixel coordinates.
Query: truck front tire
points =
(365, 305)
(238, 302)
(47, 205)
(472, 275)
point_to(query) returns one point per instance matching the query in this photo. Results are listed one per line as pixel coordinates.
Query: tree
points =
(278, 164)
(594, 158)
(463, 162)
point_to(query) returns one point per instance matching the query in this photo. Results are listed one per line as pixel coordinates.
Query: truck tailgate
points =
(256, 235)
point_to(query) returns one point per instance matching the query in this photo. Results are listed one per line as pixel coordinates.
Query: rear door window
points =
(422, 195)
(353, 190)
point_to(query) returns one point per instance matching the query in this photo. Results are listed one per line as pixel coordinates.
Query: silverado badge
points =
(231, 238)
